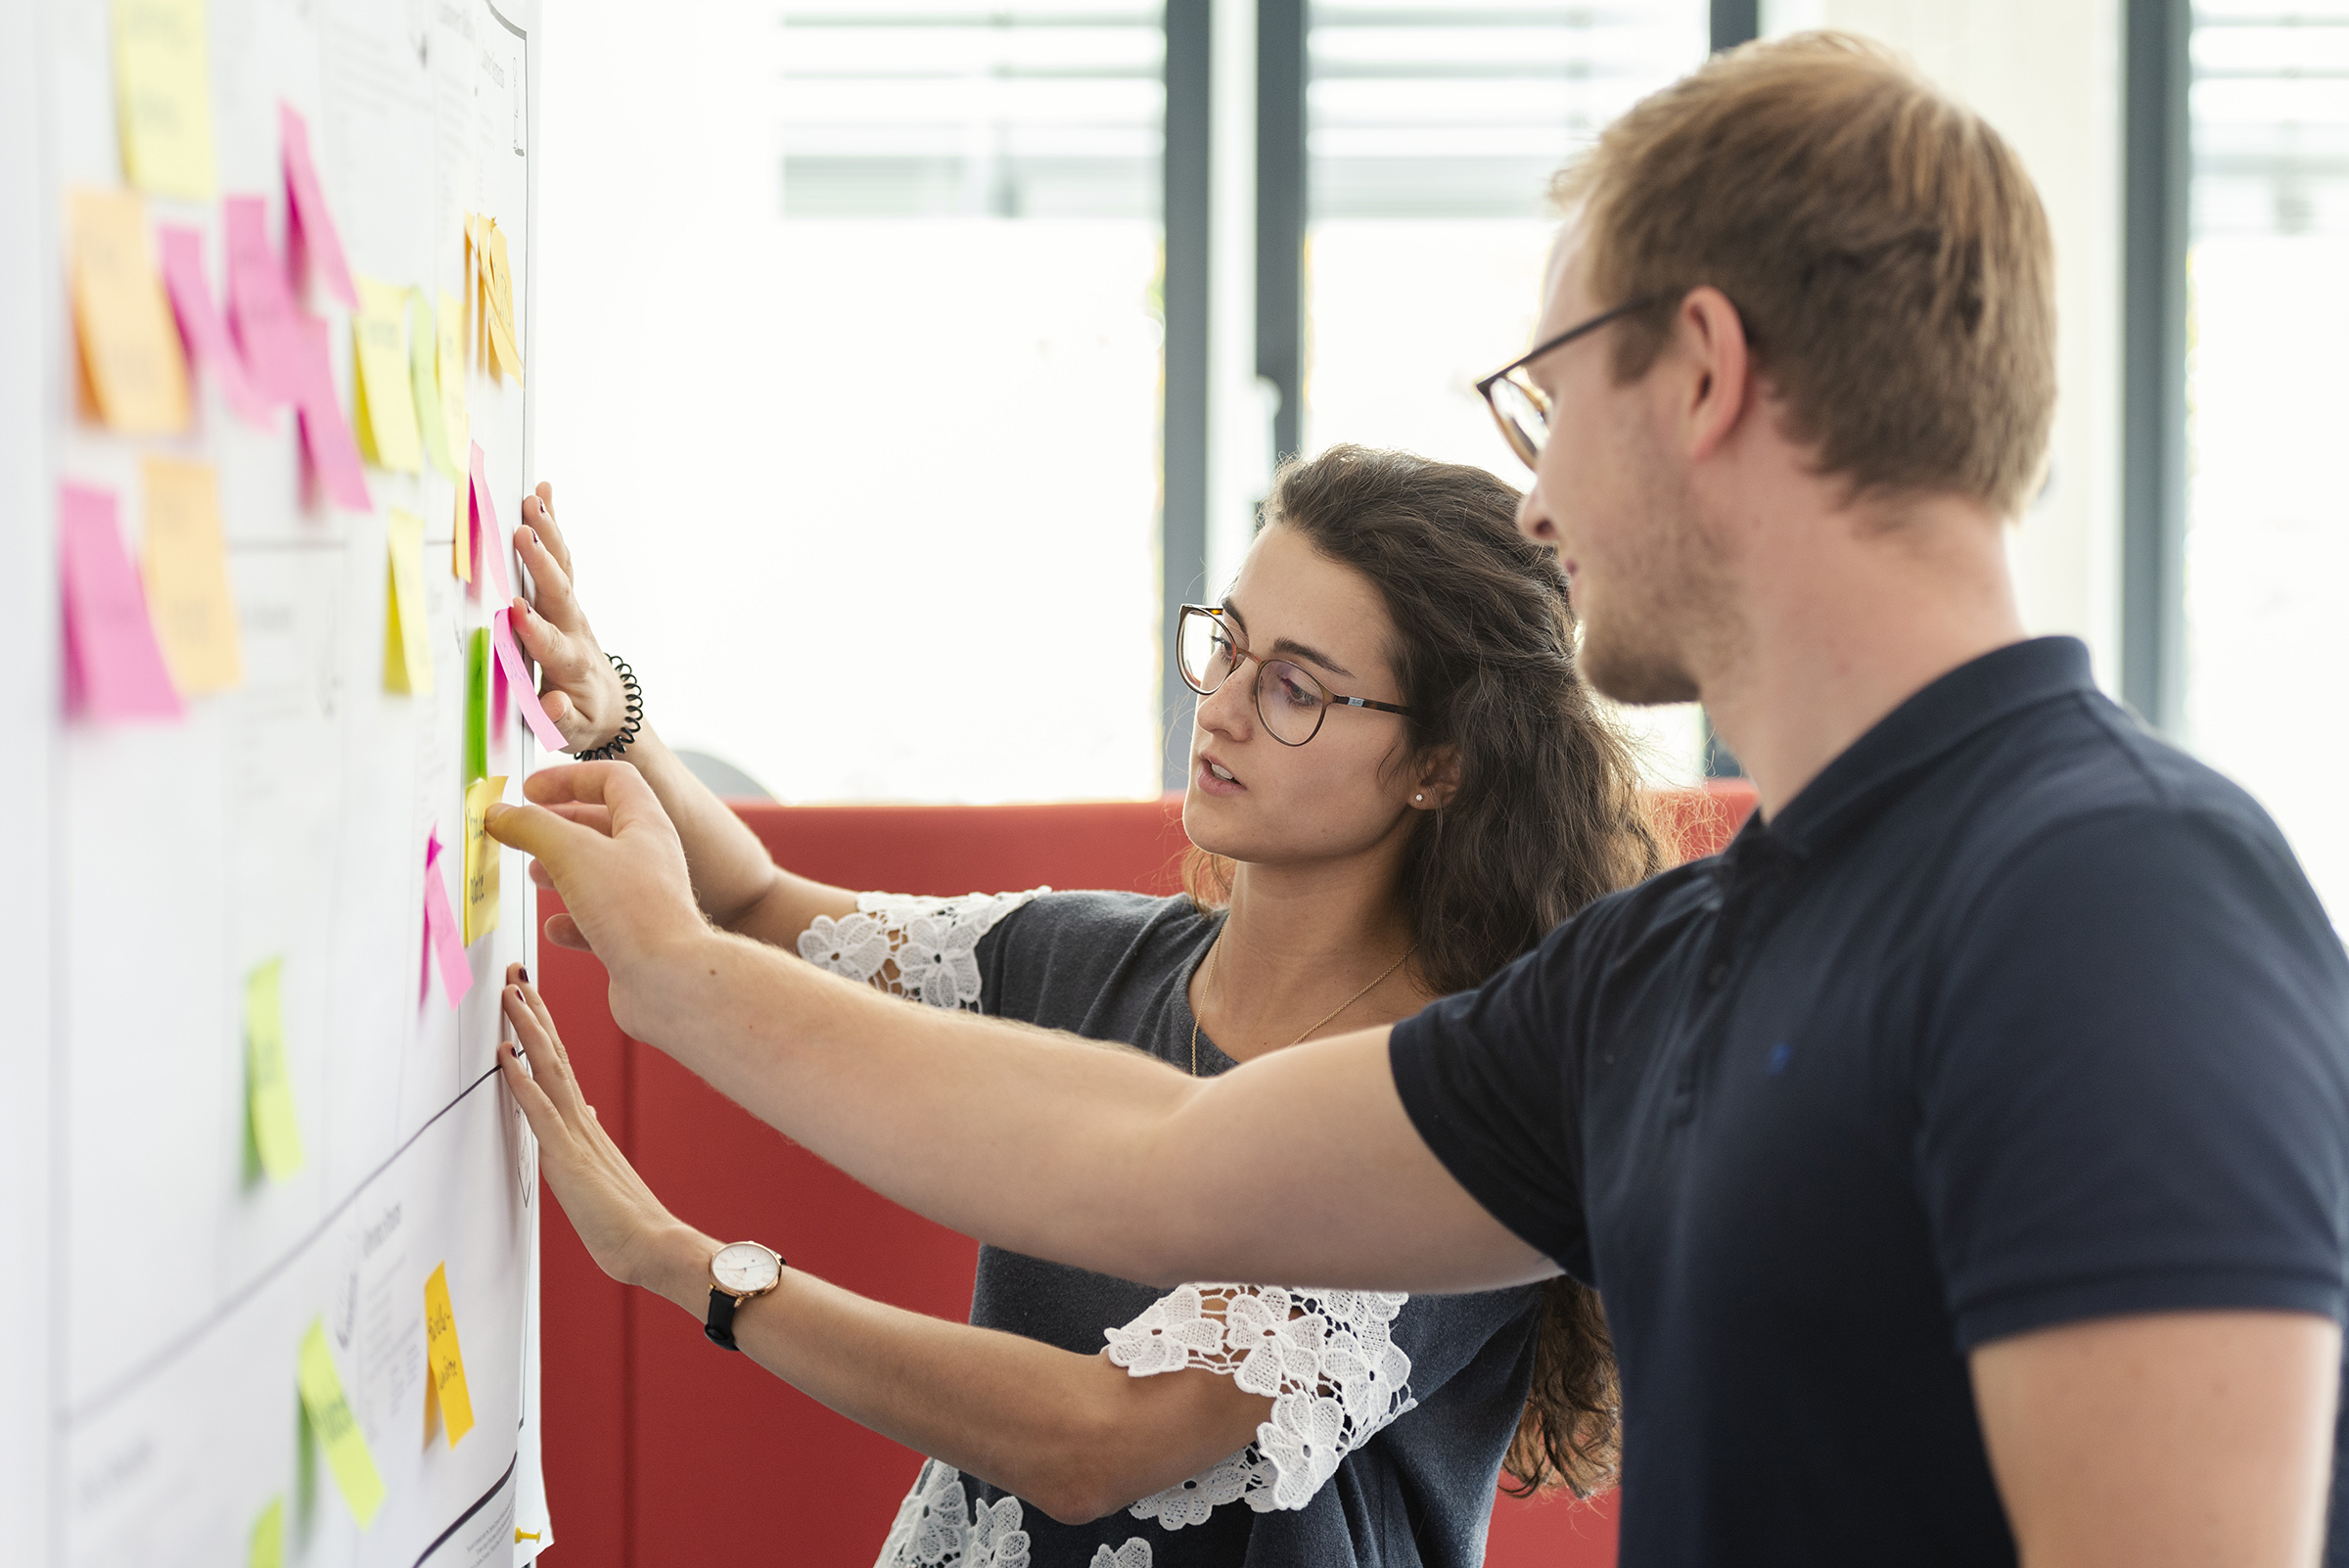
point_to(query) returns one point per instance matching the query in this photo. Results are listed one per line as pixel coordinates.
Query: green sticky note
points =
(346, 1452)
(424, 378)
(269, 1544)
(268, 1094)
(477, 705)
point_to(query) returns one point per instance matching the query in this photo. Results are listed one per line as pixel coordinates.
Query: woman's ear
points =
(1439, 780)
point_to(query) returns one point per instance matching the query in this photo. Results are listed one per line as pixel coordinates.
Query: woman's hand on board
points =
(581, 690)
(628, 1231)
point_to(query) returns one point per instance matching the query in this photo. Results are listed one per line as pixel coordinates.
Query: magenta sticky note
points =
(497, 697)
(114, 666)
(312, 224)
(494, 541)
(202, 324)
(442, 933)
(261, 304)
(518, 675)
(325, 432)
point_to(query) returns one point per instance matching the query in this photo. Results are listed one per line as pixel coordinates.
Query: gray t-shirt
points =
(1337, 1477)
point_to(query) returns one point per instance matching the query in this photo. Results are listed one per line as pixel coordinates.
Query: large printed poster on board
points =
(292, 1314)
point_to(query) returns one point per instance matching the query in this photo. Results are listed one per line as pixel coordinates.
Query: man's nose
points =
(1533, 517)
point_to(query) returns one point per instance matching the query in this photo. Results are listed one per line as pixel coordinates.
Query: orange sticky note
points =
(187, 577)
(129, 346)
(444, 1363)
(503, 354)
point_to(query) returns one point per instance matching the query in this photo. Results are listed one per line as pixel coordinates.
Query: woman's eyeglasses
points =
(1289, 700)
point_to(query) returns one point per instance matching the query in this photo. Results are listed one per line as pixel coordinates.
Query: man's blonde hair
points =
(1884, 244)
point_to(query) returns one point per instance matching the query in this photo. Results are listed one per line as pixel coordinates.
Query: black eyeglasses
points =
(1290, 701)
(1522, 409)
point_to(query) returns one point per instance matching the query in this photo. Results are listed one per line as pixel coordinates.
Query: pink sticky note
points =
(312, 225)
(497, 697)
(442, 933)
(113, 666)
(325, 432)
(260, 303)
(494, 544)
(202, 324)
(518, 674)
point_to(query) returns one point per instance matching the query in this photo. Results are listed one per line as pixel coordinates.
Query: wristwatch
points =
(740, 1270)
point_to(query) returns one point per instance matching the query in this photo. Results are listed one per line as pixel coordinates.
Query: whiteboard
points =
(163, 1283)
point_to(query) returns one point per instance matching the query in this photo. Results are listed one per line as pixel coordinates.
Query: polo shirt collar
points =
(1937, 718)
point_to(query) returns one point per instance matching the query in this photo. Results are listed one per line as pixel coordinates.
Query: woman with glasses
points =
(1398, 785)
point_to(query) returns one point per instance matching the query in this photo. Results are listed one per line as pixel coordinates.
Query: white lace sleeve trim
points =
(926, 949)
(1327, 1358)
(938, 1526)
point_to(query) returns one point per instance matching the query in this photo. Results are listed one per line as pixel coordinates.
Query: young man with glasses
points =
(1963, 1156)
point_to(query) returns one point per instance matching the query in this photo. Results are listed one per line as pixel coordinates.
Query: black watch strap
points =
(720, 1327)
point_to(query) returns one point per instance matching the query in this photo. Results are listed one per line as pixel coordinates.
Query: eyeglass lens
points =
(1523, 420)
(1288, 700)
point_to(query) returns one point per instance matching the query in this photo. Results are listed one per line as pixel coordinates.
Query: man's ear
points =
(1437, 779)
(1709, 336)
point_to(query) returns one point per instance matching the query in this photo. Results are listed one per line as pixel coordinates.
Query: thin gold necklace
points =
(1316, 1023)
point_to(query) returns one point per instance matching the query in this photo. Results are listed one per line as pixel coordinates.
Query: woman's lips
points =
(1203, 775)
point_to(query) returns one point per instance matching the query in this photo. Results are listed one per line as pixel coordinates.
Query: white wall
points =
(2047, 75)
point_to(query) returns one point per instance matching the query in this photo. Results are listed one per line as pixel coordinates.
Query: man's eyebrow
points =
(1290, 646)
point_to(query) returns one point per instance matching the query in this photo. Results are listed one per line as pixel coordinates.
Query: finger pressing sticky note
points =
(383, 401)
(407, 656)
(187, 577)
(444, 1363)
(202, 326)
(518, 674)
(268, 1091)
(444, 936)
(265, 1548)
(164, 95)
(347, 1451)
(312, 225)
(480, 857)
(424, 382)
(129, 349)
(113, 668)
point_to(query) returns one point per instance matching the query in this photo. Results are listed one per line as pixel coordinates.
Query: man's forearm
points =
(1300, 1167)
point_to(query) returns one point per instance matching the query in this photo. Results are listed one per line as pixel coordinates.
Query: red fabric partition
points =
(660, 1449)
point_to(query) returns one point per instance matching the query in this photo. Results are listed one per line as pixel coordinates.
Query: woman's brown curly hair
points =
(1547, 816)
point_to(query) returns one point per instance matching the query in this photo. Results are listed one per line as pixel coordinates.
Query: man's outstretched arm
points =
(1300, 1166)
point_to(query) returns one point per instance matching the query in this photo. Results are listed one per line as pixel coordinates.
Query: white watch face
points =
(745, 1267)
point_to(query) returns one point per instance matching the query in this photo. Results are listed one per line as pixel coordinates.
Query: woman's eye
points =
(1298, 694)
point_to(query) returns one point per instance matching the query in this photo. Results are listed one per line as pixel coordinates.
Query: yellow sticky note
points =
(452, 375)
(346, 1452)
(461, 544)
(384, 400)
(504, 355)
(164, 95)
(444, 1363)
(407, 656)
(129, 345)
(186, 567)
(480, 857)
(269, 1094)
(424, 377)
(266, 1547)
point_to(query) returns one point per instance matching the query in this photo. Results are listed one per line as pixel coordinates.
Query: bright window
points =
(2267, 546)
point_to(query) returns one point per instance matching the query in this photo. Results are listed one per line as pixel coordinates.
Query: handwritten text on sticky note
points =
(480, 857)
(113, 668)
(268, 1092)
(347, 1451)
(187, 577)
(444, 1363)
(129, 349)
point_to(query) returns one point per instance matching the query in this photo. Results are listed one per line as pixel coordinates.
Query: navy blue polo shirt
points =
(2014, 1016)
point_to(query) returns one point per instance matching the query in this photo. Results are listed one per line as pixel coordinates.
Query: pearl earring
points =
(1419, 797)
